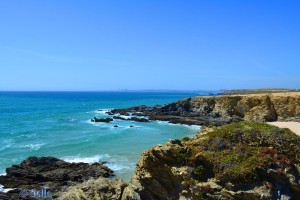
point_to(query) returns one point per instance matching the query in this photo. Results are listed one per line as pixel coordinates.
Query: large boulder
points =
(56, 174)
(106, 120)
(101, 188)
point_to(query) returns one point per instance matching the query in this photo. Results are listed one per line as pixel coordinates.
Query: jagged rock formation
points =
(239, 161)
(56, 174)
(101, 189)
(221, 110)
(245, 160)
(106, 120)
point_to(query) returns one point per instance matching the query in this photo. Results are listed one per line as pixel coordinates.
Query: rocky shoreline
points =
(55, 174)
(244, 160)
(215, 110)
(236, 156)
(221, 110)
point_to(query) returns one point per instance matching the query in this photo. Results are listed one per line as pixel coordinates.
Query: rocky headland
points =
(235, 156)
(221, 110)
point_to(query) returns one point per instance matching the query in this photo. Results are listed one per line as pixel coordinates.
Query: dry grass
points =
(275, 94)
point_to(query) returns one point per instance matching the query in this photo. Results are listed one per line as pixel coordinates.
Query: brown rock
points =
(100, 188)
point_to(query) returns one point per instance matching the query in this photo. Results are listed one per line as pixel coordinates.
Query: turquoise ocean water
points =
(58, 124)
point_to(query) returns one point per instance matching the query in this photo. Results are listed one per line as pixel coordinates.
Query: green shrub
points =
(237, 151)
(185, 139)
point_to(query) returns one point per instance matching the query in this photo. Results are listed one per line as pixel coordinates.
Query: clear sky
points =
(155, 44)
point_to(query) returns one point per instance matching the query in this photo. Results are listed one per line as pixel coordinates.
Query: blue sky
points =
(157, 44)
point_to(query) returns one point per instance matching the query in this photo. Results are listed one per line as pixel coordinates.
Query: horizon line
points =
(158, 90)
(153, 90)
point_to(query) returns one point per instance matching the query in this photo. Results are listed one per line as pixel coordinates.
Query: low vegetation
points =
(238, 151)
(245, 153)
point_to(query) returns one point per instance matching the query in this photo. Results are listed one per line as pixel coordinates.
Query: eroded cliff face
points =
(221, 110)
(250, 108)
(158, 175)
(101, 189)
(260, 108)
(239, 161)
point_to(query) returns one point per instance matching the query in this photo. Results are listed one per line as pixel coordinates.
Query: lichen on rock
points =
(101, 188)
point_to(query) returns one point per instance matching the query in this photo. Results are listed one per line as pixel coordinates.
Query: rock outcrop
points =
(221, 110)
(101, 189)
(105, 120)
(136, 119)
(56, 174)
(245, 160)
(239, 161)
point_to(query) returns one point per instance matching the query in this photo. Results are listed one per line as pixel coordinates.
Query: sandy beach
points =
(293, 126)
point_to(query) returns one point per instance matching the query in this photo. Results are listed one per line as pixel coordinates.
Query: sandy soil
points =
(275, 94)
(293, 126)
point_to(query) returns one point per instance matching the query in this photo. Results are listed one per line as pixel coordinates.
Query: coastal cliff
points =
(249, 107)
(236, 156)
(221, 110)
(245, 160)
(242, 160)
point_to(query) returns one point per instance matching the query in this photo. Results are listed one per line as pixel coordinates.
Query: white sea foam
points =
(72, 120)
(90, 160)
(193, 127)
(32, 135)
(96, 123)
(33, 146)
(103, 111)
(6, 144)
(89, 122)
(5, 190)
(130, 115)
(163, 122)
(110, 126)
(115, 163)
(124, 116)
(116, 167)
(133, 126)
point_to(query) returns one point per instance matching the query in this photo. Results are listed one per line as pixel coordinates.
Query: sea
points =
(59, 124)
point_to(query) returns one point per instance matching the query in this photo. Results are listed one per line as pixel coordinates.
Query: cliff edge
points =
(244, 160)
(221, 110)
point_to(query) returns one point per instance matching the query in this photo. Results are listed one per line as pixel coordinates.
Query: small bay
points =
(58, 124)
